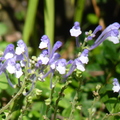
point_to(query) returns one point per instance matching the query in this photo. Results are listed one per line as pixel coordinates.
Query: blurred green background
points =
(29, 20)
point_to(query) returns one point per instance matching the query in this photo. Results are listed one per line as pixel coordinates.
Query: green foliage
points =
(49, 19)
(30, 20)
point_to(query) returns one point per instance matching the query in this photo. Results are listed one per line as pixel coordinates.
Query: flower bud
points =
(38, 92)
(47, 101)
(29, 99)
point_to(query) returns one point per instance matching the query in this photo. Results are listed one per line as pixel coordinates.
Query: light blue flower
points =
(76, 30)
(44, 57)
(9, 51)
(45, 42)
(111, 31)
(84, 56)
(116, 85)
(18, 72)
(61, 66)
(92, 35)
(21, 47)
(56, 46)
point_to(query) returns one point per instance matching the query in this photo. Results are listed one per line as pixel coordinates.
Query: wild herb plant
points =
(28, 76)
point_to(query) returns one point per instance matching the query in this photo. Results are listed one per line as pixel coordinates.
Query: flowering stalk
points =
(59, 97)
(75, 32)
(74, 102)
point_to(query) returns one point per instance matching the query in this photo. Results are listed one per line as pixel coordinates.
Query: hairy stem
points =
(74, 102)
(58, 99)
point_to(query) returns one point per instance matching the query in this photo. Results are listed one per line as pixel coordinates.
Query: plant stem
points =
(49, 19)
(15, 97)
(74, 101)
(79, 10)
(58, 99)
(111, 114)
(51, 96)
(30, 20)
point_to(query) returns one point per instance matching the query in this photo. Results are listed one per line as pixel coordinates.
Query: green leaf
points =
(93, 67)
(92, 18)
(110, 50)
(110, 105)
(106, 88)
(45, 87)
(30, 20)
(3, 82)
(66, 112)
(49, 19)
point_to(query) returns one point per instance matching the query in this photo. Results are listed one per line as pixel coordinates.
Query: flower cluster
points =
(51, 58)
(49, 61)
(13, 60)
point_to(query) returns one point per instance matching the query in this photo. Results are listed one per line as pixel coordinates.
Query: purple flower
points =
(44, 57)
(44, 42)
(18, 72)
(9, 51)
(72, 68)
(75, 31)
(92, 35)
(97, 29)
(57, 45)
(79, 65)
(116, 85)
(114, 37)
(84, 56)
(61, 66)
(70, 62)
(110, 31)
(112, 27)
(38, 64)
(21, 51)
(21, 47)
(11, 65)
(78, 62)
(55, 57)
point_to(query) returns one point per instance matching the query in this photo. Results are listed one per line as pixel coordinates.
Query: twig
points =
(111, 114)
